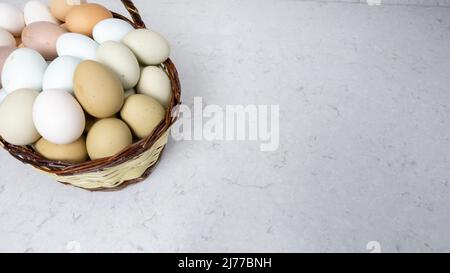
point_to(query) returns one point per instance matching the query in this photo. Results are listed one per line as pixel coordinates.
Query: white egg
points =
(6, 39)
(24, 68)
(59, 74)
(121, 60)
(16, 118)
(11, 19)
(58, 117)
(35, 11)
(149, 46)
(111, 30)
(76, 45)
(155, 83)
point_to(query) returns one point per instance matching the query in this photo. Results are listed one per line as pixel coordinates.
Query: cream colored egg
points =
(142, 114)
(71, 153)
(154, 82)
(121, 60)
(149, 46)
(16, 117)
(108, 137)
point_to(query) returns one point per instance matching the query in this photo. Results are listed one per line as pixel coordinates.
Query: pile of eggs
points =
(76, 83)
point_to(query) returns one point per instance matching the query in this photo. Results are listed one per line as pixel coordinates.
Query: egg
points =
(149, 46)
(108, 137)
(83, 18)
(16, 119)
(24, 68)
(98, 89)
(76, 45)
(59, 74)
(11, 19)
(154, 82)
(142, 114)
(121, 60)
(35, 11)
(71, 153)
(60, 8)
(5, 51)
(112, 29)
(42, 37)
(58, 117)
(6, 38)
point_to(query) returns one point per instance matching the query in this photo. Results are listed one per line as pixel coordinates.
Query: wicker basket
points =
(132, 165)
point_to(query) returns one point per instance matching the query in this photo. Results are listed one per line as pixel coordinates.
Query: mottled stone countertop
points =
(364, 151)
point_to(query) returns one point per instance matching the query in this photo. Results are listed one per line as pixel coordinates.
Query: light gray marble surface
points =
(364, 153)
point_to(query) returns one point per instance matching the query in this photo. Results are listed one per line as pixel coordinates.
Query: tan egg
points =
(60, 8)
(108, 137)
(42, 37)
(71, 153)
(83, 18)
(142, 114)
(98, 89)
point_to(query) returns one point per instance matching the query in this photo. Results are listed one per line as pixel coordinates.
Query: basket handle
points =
(136, 17)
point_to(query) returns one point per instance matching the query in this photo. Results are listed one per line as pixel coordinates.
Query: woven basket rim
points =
(27, 155)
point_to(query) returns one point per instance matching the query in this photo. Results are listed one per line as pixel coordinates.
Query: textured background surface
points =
(365, 146)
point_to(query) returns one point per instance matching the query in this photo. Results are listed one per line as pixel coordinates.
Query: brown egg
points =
(42, 37)
(98, 89)
(108, 137)
(21, 46)
(5, 51)
(64, 26)
(142, 114)
(82, 19)
(60, 8)
(71, 153)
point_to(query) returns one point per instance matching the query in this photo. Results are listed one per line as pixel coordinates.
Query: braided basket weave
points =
(132, 165)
